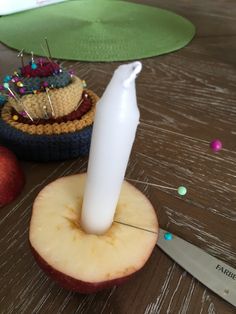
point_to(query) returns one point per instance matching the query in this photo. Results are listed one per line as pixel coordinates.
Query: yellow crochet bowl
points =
(60, 102)
(55, 128)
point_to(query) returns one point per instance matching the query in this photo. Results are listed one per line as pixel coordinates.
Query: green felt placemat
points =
(103, 30)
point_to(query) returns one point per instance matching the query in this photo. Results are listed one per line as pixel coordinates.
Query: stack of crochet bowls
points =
(48, 115)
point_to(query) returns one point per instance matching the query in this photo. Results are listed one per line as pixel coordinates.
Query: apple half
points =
(84, 262)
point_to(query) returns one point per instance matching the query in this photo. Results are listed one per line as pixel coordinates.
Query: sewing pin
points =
(133, 226)
(21, 55)
(182, 190)
(49, 52)
(78, 104)
(33, 64)
(20, 102)
(50, 102)
(45, 112)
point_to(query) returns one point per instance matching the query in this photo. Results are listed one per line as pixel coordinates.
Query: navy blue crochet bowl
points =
(45, 148)
(47, 142)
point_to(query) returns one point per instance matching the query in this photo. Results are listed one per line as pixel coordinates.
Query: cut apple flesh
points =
(85, 262)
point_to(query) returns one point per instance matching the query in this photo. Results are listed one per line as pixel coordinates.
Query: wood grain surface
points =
(186, 99)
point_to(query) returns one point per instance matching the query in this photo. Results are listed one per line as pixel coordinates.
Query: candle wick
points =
(136, 68)
(136, 227)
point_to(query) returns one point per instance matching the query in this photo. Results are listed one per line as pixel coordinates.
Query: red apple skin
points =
(73, 284)
(12, 178)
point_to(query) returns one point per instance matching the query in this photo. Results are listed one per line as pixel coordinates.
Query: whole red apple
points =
(12, 178)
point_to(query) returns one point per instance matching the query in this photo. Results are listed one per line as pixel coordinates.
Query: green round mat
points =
(97, 30)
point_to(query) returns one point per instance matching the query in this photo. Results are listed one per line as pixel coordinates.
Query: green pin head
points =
(182, 190)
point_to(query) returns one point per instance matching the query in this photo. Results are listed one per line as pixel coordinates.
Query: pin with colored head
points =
(33, 64)
(168, 236)
(216, 145)
(15, 117)
(182, 190)
(12, 94)
(7, 78)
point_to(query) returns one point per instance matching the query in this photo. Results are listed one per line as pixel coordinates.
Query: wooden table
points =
(186, 99)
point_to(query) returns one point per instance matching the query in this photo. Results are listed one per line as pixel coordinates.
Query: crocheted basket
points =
(48, 142)
(65, 98)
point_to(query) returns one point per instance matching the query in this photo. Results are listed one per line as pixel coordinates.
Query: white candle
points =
(116, 121)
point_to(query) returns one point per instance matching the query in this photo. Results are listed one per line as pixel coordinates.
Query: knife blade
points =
(210, 271)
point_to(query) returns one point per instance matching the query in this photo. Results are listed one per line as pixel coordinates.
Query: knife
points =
(210, 271)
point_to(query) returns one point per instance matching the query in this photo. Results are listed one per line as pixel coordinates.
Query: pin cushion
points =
(48, 115)
(66, 99)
